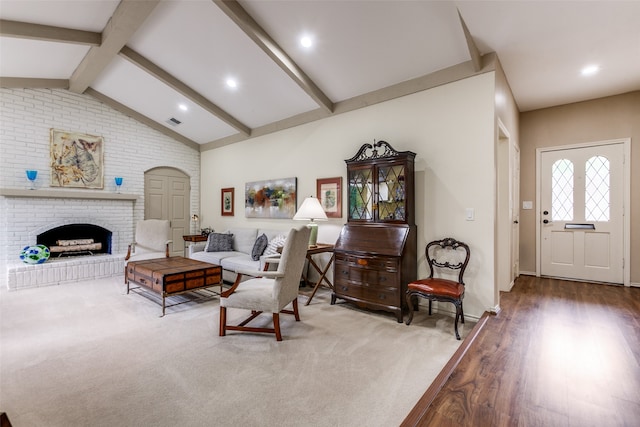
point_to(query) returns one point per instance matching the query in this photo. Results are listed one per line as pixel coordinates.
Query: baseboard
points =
(445, 309)
(527, 273)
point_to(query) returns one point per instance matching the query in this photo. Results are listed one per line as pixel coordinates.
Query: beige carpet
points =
(87, 354)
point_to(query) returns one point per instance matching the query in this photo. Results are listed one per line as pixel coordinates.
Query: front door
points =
(167, 196)
(581, 202)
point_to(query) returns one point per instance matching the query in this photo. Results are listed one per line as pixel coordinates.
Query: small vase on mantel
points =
(31, 176)
(118, 180)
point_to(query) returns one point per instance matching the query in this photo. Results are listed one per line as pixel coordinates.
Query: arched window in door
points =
(562, 190)
(596, 191)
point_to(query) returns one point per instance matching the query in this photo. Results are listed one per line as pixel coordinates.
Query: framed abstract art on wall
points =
(274, 198)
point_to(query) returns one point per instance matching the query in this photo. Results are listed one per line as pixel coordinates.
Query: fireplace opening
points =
(76, 239)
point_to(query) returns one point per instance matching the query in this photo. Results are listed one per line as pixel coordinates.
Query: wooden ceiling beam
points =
(25, 30)
(185, 90)
(476, 56)
(33, 83)
(242, 19)
(127, 18)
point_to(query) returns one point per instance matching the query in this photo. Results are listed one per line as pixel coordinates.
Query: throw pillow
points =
(219, 242)
(274, 244)
(259, 246)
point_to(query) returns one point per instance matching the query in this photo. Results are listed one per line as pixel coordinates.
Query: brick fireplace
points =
(76, 240)
(130, 149)
(44, 214)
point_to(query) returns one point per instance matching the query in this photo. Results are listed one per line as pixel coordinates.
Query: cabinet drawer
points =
(170, 288)
(214, 279)
(142, 279)
(159, 277)
(194, 274)
(195, 283)
(372, 278)
(368, 262)
(215, 271)
(373, 294)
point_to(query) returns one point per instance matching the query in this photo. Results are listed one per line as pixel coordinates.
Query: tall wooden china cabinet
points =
(375, 255)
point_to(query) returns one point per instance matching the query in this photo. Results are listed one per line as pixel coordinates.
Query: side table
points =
(318, 249)
(192, 238)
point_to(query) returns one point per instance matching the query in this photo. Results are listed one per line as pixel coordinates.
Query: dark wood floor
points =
(560, 353)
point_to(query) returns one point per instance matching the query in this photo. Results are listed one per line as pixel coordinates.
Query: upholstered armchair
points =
(152, 240)
(271, 292)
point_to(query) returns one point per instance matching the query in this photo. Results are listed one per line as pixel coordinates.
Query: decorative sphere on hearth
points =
(34, 254)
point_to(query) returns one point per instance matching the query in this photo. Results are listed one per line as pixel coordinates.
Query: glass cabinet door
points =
(361, 194)
(391, 193)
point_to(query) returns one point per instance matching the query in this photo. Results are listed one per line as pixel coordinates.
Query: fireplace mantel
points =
(66, 194)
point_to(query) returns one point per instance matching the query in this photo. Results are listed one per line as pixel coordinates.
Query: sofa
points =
(238, 254)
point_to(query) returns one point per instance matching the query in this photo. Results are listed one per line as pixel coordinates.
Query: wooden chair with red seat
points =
(444, 257)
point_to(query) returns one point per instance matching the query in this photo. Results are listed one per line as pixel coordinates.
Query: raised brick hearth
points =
(64, 270)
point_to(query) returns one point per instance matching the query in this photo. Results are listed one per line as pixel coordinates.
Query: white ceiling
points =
(190, 48)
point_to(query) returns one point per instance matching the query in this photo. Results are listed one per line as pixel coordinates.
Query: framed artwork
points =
(227, 197)
(76, 160)
(329, 193)
(274, 198)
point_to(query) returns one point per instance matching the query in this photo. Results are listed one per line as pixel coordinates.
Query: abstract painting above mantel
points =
(274, 198)
(76, 160)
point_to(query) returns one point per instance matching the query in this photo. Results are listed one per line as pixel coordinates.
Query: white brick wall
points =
(130, 149)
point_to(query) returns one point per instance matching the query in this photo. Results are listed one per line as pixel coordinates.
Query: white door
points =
(167, 196)
(514, 207)
(581, 203)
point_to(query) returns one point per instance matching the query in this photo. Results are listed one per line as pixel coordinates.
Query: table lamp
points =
(311, 210)
(195, 218)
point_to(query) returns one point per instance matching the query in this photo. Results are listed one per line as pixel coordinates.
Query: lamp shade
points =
(310, 210)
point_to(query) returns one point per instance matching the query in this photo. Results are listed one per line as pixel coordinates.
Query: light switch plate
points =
(469, 214)
(528, 204)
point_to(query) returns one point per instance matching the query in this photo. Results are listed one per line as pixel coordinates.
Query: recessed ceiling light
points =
(232, 83)
(590, 70)
(306, 41)
(183, 107)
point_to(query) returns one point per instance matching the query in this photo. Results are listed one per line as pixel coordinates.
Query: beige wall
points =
(450, 127)
(597, 120)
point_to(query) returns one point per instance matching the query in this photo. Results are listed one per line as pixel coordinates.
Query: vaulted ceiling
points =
(170, 61)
